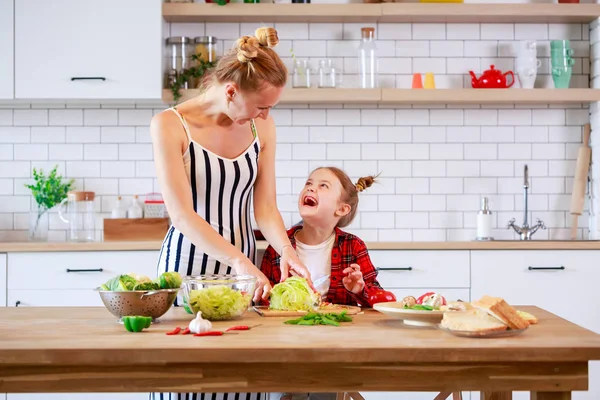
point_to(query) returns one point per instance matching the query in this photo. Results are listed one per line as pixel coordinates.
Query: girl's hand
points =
(353, 281)
(290, 264)
(263, 286)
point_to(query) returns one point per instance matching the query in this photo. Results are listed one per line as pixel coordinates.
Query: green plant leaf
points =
(48, 191)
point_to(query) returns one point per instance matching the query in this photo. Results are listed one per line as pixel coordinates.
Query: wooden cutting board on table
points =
(264, 311)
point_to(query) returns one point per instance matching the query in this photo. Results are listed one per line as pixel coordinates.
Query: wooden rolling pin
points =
(584, 157)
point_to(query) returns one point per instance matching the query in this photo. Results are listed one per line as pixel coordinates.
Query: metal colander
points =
(147, 303)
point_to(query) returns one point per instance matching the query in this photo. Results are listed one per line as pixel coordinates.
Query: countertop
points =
(91, 335)
(50, 349)
(8, 247)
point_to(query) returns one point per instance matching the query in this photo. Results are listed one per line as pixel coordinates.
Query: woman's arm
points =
(266, 213)
(169, 143)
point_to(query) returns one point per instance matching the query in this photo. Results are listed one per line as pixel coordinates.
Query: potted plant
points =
(192, 75)
(48, 191)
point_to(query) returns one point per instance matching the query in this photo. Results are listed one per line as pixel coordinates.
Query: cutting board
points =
(580, 181)
(264, 311)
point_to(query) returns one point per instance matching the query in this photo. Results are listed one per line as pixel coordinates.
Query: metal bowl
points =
(147, 303)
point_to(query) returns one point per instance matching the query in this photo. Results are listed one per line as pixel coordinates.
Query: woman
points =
(212, 153)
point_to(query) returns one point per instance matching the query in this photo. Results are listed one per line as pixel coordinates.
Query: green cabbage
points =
(219, 302)
(146, 286)
(120, 283)
(294, 294)
(170, 280)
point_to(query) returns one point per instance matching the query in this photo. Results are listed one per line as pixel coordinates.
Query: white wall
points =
(436, 162)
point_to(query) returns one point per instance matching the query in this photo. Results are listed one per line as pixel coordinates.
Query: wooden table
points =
(85, 350)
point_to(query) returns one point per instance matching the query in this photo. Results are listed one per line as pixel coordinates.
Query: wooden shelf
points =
(382, 12)
(425, 96)
(489, 96)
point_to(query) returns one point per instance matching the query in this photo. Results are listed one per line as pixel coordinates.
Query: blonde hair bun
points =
(267, 36)
(247, 48)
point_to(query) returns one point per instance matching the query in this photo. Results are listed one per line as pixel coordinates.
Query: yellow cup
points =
(429, 81)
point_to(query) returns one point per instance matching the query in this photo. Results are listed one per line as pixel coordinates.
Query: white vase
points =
(38, 225)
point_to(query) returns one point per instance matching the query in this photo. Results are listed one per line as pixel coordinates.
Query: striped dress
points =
(221, 192)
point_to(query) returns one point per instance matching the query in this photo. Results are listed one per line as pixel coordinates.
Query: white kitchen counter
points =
(155, 245)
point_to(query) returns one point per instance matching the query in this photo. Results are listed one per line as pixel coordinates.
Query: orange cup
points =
(417, 82)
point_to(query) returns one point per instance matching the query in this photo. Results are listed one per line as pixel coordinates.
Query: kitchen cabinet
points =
(418, 269)
(88, 49)
(68, 278)
(562, 282)
(412, 273)
(7, 73)
(3, 280)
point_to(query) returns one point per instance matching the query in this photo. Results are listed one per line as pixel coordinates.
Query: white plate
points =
(410, 317)
(497, 334)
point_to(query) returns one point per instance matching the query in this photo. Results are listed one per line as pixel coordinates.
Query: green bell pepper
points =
(136, 323)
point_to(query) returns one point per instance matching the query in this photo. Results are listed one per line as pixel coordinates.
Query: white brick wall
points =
(435, 162)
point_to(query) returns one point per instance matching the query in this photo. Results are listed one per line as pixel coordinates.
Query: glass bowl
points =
(219, 297)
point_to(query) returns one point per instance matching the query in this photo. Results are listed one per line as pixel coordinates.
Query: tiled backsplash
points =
(435, 162)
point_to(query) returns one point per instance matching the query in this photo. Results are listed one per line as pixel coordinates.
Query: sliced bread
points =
(497, 307)
(471, 321)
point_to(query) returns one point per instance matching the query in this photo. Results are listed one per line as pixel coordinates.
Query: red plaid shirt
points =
(347, 249)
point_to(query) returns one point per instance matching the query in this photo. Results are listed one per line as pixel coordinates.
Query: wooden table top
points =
(91, 336)
(28, 247)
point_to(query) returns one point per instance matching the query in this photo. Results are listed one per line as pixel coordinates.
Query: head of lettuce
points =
(294, 294)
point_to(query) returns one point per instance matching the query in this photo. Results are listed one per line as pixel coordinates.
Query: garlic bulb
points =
(199, 325)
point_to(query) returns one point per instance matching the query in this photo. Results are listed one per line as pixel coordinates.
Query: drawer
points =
(449, 294)
(417, 269)
(54, 298)
(76, 396)
(76, 270)
(408, 395)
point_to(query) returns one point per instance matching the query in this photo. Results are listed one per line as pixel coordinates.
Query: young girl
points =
(338, 261)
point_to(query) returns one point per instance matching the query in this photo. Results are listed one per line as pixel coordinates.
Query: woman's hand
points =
(290, 264)
(353, 281)
(263, 286)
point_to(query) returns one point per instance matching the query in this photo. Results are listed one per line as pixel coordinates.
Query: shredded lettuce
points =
(294, 294)
(219, 302)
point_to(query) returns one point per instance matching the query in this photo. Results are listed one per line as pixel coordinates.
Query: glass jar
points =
(206, 48)
(367, 60)
(327, 74)
(178, 59)
(80, 216)
(301, 78)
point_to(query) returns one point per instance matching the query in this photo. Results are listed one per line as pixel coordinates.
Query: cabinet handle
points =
(88, 78)
(546, 268)
(85, 270)
(17, 303)
(396, 269)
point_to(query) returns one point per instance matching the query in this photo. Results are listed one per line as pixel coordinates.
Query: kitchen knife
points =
(584, 157)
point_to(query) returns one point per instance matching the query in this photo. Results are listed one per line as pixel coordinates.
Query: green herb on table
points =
(321, 319)
(419, 307)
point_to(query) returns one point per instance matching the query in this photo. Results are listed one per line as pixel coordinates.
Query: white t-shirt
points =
(317, 259)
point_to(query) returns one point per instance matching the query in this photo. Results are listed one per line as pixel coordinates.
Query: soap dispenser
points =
(484, 221)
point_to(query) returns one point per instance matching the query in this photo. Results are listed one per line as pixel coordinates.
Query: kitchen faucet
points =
(525, 232)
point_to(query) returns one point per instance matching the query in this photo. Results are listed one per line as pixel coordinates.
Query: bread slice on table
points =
(497, 307)
(472, 321)
(532, 319)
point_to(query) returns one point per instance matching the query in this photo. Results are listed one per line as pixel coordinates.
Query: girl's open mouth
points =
(310, 201)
